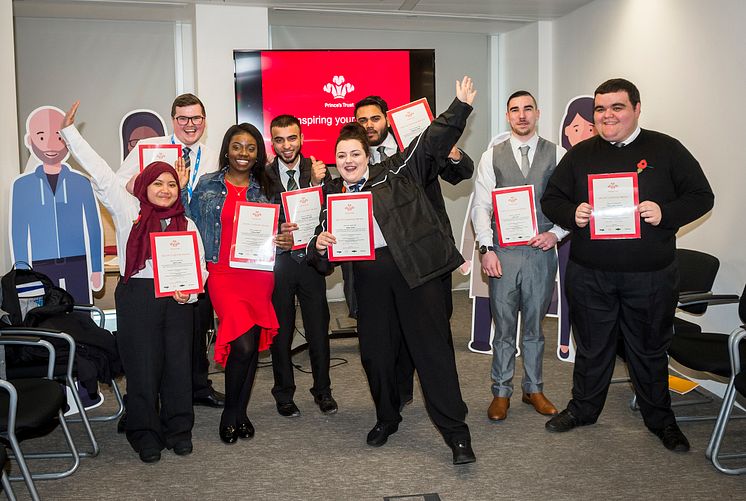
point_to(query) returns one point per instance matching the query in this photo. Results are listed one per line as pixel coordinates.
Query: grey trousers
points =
(526, 285)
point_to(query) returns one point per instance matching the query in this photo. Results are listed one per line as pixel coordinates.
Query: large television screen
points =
(321, 87)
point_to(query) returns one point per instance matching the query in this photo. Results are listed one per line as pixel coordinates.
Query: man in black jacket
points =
(289, 171)
(625, 287)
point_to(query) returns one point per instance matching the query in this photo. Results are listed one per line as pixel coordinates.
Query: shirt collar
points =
(516, 143)
(631, 138)
(284, 167)
(366, 176)
(390, 145)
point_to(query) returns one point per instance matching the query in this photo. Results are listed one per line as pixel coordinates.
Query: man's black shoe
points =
(288, 409)
(183, 448)
(564, 421)
(462, 451)
(673, 439)
(150, 455)
(327, 404)
(213, 399)
(245, 430)
(380, 433)
(122, 423)
(228, 434)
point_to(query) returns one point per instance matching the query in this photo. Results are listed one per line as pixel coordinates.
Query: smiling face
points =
(579, 129)
(615, 117)
(242, 151)
(287, 142)
(374, 122)
(189, 132)
(164, 191)
(43, 138)
(352, 160)
(522, 116)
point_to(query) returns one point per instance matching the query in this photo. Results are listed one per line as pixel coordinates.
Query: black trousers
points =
(155, 346)
(385, 301)
(299, 279)
(639, 307)
(203, 322)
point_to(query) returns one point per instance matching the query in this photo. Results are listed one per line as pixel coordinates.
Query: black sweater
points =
(672, 178)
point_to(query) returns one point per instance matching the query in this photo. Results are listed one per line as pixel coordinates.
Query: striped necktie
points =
(292, 185)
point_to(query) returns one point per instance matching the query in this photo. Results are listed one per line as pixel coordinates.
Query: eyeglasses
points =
(196, 120)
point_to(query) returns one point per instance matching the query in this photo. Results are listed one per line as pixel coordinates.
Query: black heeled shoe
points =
(228, 434)
(245, 430)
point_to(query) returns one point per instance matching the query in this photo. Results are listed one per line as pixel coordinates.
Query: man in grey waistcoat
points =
(521, 277)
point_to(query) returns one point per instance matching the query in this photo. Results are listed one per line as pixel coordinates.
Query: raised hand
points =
(318, 171)
(182, 171)
(465, 91)
(70, 115)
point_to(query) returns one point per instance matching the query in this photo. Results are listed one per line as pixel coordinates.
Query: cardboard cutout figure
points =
(55, 225)
(577, 125)
(137, 125)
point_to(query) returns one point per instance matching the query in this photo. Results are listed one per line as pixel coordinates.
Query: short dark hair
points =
(261, 152)
(186, 100)
(354, 130)
(283, 121)
(619, 85)
(520, 93)
(373, 101)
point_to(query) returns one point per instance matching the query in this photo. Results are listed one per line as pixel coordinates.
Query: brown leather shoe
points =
(498, 408)
(540, 403)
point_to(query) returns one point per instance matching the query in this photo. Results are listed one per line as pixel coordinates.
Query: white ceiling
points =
(469, 16)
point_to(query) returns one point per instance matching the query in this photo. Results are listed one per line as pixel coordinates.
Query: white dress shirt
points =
(283, 168)
(390, 147)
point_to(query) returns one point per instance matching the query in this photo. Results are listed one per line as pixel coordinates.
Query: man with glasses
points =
(188, 119)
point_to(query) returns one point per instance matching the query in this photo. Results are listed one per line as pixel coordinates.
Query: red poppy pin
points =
(642, 165)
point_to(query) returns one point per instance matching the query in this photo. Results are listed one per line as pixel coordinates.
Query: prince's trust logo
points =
(338, 88)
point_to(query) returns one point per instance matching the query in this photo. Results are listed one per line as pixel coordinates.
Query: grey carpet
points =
(315, 457)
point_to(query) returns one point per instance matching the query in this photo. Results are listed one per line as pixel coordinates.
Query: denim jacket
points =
(206, 205)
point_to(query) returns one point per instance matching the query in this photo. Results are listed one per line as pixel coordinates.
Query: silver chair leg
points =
(7, 488)
(53, 455)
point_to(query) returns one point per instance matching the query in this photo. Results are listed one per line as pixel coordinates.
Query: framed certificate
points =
(252, 242)
(350, 220)
(150, 153)
(515, 214)
(615, 199)
(176, 263)
(303, 207)
(409, 121)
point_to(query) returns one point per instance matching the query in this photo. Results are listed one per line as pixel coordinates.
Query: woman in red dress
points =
(242, 298)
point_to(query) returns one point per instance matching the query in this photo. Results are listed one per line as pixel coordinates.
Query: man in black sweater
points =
(625, 287)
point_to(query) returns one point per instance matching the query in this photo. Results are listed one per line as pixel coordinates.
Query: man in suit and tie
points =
(370, 112)
(289, 171)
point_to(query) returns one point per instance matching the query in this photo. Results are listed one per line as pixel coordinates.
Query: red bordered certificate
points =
(303, 207)
(350, 220)
(254, 230)
(409, 121)
(150, 153)
(176, 263)
(615, 199)
(515, 214)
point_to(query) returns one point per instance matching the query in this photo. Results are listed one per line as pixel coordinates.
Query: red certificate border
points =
(390, 113)
(166, 146)
(351, 196)
(232, 256)
(636, 194)
(286, 194)
(154, 256)
(514, 189)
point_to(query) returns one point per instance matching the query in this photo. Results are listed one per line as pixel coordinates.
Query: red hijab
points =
(149, 220)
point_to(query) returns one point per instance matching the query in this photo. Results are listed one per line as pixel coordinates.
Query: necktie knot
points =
(292, 184)
(356, 187)
(524, 159)
(185, 151)
(382, 152)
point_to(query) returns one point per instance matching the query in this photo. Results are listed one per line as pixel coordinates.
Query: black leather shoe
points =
(462, 451)
(122, 423)
(228, 434)
(380, 433)
(564, 421)
(245, 430)
(150, 455)
(213, 399)
(326, 403)
(183, 448)
(673, 439)
(288, 409)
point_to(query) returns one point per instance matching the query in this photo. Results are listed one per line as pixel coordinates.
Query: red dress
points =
(241, 298)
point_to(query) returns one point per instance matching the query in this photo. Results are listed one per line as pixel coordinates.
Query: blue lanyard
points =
(195, 168)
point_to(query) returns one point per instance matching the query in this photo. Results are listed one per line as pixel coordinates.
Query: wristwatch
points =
(484, 249)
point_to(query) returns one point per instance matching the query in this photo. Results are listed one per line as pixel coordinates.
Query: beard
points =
(381, 138)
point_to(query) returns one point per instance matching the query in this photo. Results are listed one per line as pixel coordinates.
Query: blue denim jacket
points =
(206, 205)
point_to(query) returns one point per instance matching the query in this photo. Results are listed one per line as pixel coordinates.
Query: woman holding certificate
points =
(150, 319)
(398, 276)
(240, 287)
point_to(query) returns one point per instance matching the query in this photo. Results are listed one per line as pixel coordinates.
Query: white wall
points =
(686, 57)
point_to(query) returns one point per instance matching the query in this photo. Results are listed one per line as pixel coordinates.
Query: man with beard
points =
(370, 112)
(290, 171)
(521, 276)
